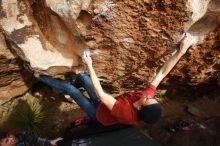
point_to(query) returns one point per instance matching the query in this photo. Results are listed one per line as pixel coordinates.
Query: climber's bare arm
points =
(107, 99)
(167, 67)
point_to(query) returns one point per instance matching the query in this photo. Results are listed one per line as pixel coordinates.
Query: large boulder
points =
(134, 38)
(39, 36)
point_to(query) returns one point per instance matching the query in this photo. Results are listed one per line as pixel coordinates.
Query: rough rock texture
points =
(14, 80)
(39, 36)
(134, 37)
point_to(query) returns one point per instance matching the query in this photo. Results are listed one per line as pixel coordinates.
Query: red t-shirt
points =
(123, 111)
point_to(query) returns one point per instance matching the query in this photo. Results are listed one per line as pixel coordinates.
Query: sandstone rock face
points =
(13, 81)
(68, 9)
(134, 38)
(39, 37)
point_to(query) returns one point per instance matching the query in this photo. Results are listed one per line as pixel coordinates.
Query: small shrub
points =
(29, 115)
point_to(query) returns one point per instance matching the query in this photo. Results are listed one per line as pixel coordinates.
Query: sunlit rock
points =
(42, 45)
(134, 38)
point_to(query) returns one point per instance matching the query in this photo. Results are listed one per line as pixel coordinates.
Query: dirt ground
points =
(203, 116)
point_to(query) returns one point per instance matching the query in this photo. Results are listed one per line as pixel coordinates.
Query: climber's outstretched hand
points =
(86, 58)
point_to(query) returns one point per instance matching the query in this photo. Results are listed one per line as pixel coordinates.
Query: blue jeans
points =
(89, 105)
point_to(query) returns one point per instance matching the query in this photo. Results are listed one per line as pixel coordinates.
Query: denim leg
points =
(83, 80)
(75, 93)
